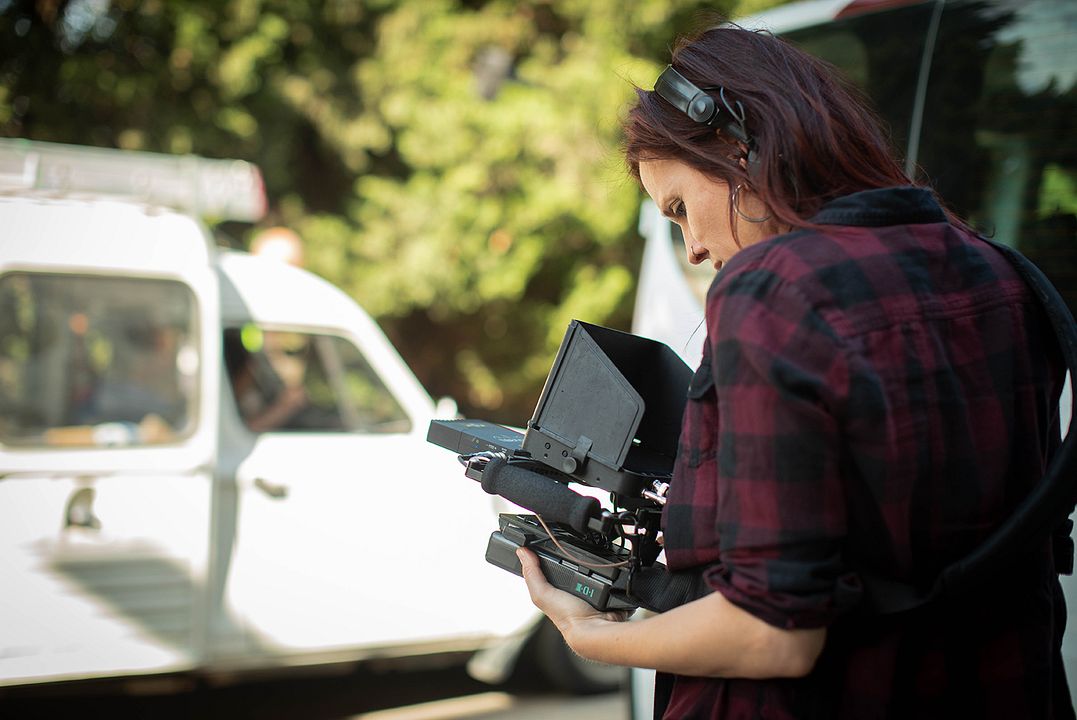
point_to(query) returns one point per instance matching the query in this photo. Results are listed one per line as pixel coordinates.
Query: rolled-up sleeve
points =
(781, 378)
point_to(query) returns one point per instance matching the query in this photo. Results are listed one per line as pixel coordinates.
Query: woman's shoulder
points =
(867, 277)
(840, 267)
(795, 260)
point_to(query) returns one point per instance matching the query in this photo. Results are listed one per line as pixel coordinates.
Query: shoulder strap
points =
(1042, 512)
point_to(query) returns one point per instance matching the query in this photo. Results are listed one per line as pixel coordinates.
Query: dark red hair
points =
(816, 136)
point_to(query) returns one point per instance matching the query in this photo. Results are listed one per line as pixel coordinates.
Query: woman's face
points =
(700, 206)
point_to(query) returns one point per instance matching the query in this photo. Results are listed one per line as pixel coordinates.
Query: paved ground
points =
(502, 706)
(438, 694)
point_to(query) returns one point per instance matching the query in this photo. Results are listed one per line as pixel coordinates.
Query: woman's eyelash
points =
(676, 208)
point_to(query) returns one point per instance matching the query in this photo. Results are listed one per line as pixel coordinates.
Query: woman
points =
(877, 389)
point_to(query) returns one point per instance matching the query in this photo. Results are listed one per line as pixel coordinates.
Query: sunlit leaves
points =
(453, 165)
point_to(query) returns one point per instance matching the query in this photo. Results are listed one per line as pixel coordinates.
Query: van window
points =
(880, 53)
(96, 361)
(286, 381)
(999, 136)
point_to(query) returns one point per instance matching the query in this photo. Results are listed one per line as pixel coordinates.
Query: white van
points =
(212, 462)
(981, 96)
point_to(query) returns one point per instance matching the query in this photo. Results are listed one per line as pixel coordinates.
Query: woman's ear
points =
(743, 159)
(748, 206)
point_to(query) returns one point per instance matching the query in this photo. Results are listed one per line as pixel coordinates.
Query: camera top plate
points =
(466, 437)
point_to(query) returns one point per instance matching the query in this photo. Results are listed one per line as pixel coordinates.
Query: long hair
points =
(816, 136)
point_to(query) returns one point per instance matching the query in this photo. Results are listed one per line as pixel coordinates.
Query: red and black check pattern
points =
(873, 398)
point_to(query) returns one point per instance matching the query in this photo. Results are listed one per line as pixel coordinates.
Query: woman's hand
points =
(573, 616)
(708, 637)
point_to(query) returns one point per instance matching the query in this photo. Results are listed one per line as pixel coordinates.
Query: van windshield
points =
(96, 361)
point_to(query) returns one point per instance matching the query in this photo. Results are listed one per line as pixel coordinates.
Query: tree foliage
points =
(452, 164)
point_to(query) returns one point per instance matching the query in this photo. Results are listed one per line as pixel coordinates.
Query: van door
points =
(351, 530)
(104, 448)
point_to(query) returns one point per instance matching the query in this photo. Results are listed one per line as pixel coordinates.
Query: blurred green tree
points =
(452, 164)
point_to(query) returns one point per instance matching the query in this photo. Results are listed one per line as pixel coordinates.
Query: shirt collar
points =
(885, 206)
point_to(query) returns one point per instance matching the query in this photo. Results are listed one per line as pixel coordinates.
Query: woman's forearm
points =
(709, 637)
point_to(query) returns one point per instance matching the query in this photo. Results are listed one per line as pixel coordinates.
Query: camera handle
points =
(540, 494)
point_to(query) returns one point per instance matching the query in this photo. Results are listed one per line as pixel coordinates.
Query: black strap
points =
(1043, 512)
(657, 589)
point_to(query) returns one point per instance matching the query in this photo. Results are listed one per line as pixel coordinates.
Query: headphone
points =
(683, 94)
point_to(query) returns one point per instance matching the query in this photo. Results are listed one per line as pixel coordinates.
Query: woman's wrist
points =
(587, 636)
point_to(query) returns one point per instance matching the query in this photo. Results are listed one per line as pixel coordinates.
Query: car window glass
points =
(1000, 126)
(880, 53)
(285, 381)
(96, 361)
(371, 406)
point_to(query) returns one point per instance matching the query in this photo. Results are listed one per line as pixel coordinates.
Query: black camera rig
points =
(582, 548)
(609, 418)
(590, 427)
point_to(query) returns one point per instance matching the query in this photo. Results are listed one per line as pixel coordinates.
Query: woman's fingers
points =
(560, 606)
(537, 585)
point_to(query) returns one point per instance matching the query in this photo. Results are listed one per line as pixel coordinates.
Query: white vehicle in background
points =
(212, 462)
(980, 95)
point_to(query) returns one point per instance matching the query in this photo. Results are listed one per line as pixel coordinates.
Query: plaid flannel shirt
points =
(873, 397)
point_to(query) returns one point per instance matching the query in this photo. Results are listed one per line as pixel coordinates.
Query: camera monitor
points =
(610, 413)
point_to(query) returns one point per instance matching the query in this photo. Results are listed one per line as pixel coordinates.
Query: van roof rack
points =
(222, 189)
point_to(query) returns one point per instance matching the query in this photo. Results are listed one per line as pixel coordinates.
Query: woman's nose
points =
(694, 257)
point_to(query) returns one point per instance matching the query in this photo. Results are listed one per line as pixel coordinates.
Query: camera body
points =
(609, 417)
(595, 572)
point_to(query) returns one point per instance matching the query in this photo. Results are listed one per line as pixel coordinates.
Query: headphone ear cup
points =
(701, 108)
